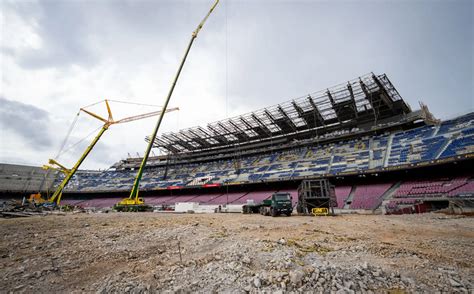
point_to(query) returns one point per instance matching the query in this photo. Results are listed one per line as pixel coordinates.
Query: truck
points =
(278, 203)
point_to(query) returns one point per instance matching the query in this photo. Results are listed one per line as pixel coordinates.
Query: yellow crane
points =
(133, 202)
(69, 173)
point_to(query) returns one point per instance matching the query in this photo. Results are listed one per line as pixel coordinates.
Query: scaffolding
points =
(315, 194)
(367, 99)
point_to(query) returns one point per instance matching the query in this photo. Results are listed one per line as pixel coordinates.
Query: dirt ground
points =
(158, 252)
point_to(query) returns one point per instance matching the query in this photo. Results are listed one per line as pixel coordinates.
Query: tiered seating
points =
(412, 146)
(319, 152)
(71, 201)
(365, 196)
(279, 171)
(267, 159)
(205, 199)
(437, 188)
(255, 196)
(187, 198)
(341, 195)
(289, 156)
(156, 201)
(96, 203)
(198, 181)
(459, 146)
(368, 196)
(227, 198)
(465, 190)
(463, 122)
(351, 156)
(312, 167)
(422, 144)
(171, 200)
(379, 149)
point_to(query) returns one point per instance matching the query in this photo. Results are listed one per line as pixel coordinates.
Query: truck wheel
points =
(299, 209)
(288, 213)
(274, 213)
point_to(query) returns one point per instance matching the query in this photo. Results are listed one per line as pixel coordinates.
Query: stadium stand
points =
(419, 145)
(368, 196)
(423, 144)
(25, 179)
(433, 188)
(341, 195)
(362, 127)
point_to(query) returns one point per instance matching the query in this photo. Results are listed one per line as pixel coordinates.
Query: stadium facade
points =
(361, 135)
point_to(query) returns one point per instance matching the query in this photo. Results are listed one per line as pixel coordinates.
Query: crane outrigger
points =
(133, 202)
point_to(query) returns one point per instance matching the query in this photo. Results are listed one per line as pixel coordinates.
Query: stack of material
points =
(16, 208)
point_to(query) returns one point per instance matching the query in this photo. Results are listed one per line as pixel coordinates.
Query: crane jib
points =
(136, 185)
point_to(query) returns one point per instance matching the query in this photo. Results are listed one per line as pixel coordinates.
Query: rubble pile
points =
(17, 208)
(151, 253)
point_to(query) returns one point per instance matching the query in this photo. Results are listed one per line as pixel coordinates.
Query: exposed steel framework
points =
(365, 99)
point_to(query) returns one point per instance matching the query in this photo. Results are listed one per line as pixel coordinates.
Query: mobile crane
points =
(133, 202)
(69, 173)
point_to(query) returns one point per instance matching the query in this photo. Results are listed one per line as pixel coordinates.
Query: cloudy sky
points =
(58, 56)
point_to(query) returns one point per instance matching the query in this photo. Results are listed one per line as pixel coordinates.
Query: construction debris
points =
(235, 253)
(16, 208)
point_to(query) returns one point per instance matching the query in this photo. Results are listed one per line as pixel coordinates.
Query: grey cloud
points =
(63, 29)
(274, 51)
(101, 155)
(104, 154)
(281, 51)
(74, 32)
(27, 121)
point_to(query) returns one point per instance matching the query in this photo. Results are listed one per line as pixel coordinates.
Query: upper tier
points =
(367, 99)
(451, 140)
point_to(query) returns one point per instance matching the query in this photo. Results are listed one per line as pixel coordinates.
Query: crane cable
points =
(74, 122)
(134, 103)
(80, 141)
(93, 104)
(63, 144)
(123, 102)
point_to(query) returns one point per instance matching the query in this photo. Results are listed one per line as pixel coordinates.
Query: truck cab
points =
(279, 203)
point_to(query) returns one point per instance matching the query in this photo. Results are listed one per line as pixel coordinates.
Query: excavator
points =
(133, 202)
(55, 199)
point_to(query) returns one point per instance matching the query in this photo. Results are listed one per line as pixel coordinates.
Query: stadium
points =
(381, 155)
(349, 189)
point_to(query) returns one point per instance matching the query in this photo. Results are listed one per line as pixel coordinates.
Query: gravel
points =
(139, 253)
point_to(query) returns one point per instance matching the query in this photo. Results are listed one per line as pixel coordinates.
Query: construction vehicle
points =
(279, 203)
(36, 199)
(69, 173)
(128, 204)
(133, 202)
